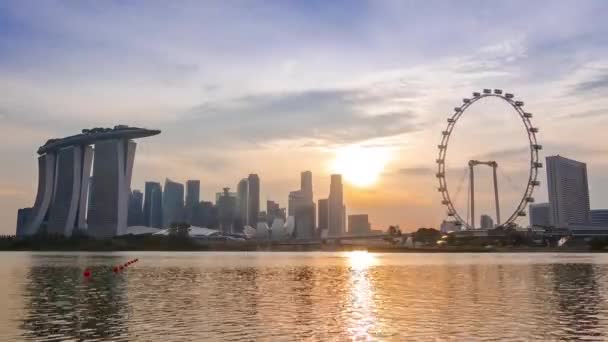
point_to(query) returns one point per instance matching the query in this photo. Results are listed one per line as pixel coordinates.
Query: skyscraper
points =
(272, 212)
(242, 191)
(193, 193)
(136, 214)
(337, 211)
(358, 224)
(323, 214)
(173, 203)
(112, 169)
(22, 217)
(253, 202)
(68, 197)
(486, 222)
(568, 191)
(156, 208)
(227, 210)
(306, 185)
(150, 187)
(540, 215)
(65, 209)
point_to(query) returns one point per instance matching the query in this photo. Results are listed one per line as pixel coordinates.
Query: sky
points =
(278, 87)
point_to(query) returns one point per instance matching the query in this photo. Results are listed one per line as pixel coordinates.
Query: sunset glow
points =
(360, 166)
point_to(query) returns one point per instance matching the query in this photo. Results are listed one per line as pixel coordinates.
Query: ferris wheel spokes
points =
(534, 165)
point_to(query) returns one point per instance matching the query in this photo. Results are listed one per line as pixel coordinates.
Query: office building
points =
(568, 192)
(206, 215)
(274, 211)
(486, 222)
(152, 219)
(242, 194)
(136, 214)
(306, 185)
(173, 203)
(540, 215)
(253, 201)
(22, 217)
(156, 208)
(227, 211)
(193, 193)
(323, 209)
(303, 212)
(358, 224)
(337, 211)
(599, 217)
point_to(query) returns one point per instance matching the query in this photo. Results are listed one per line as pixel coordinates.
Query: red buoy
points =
(86, 273)
(115, 269)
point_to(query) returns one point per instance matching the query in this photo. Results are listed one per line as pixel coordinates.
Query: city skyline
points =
(237, 96)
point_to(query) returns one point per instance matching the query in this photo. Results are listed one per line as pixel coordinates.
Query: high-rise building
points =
(206, 215)
(337, 211)
(568, 191)
(150, 217)
(193, 193)
(253, 202)
(599, 217)
(272, 211)
(68, 209)
(156, 208)
(486, 222)
(540, 215)
(112, 170)
(306, 185)
(68, 197)
(136, 215)
(323, 214)
(242, 191)
(173, 203)
(358, 224)
(22, 217)
(227, 210)
(303, 212)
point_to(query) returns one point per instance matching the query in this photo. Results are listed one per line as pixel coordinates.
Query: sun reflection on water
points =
(362, 320)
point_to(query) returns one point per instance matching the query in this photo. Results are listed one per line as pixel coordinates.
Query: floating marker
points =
(86, 273)
(115, 269)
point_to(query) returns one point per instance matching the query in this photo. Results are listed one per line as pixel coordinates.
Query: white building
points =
(568, 192)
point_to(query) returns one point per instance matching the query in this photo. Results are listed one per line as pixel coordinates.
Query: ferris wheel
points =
(534, 165)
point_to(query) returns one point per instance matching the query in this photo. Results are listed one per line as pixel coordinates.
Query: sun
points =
(359, 165)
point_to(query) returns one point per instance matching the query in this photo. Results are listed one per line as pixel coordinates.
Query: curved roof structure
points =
(89, 136)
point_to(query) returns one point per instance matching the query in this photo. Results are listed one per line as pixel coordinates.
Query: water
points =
(303, 296)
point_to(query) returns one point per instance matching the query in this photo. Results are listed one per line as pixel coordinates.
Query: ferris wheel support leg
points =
(472, 181)
(496, 195)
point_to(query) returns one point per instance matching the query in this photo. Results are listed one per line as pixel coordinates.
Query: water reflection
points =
(305, 296)
(362, 320)
(61, 304)
(579, 301)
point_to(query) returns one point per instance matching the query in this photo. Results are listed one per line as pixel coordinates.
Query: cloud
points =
(508, 153)
(332, 116)
(416, 171)
(596, 82)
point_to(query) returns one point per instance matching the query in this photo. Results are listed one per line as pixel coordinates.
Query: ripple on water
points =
(304, 296)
